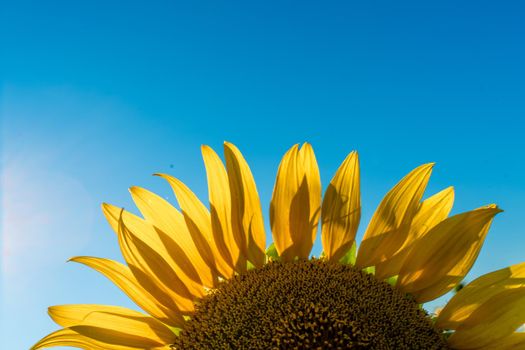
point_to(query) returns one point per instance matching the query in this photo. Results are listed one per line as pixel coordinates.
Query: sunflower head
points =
(308, 304)
(206, 279)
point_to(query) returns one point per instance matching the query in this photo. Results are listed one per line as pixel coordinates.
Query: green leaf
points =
(175, 330)
(249, 265)
(271, 252)
(350, 256)
(392, 280)
(370, 270)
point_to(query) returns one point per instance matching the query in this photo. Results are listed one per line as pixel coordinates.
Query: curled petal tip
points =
(106, 206)
(492, 206)
(77, 258)
(495, 206)
(230, 146)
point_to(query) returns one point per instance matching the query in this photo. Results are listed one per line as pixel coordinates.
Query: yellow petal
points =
(221, 211)
(515, 341)
(198, 221)
(247, 219)
(477, 292)
(341, 210)
(442, 258)
(496, 319)
(145, 294)
(67, 337)
(142, 251)
(70, 338)
(295, 205)
(390, 224)
(113, 325)
(182, 249)
(432, 211)
(284, 191)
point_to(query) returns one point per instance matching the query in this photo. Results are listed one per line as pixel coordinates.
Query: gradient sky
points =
(96, 96)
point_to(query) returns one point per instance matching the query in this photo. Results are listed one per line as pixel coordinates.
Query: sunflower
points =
(206, 279)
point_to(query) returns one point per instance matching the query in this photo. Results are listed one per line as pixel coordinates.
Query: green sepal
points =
(350, 256)
(272, 253)
(175, 330)
(392, 280)
(370, 270)
(249, 265)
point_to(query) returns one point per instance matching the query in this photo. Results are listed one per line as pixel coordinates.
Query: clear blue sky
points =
(96, 96)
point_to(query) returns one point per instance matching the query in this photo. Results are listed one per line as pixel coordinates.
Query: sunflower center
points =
(310, 304)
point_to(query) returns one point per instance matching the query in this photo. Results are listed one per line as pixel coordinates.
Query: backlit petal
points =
(432, 211)
(515, 341)
(198, 220)
(295, 205)
(145, 294)
(442, 258)
(390, 224)
(341, 210)
(221, 211)
(67, 337)
(181, 246)
(141, 250)
(247, 219)
(113, 325)
(496, 319)
(477, 292)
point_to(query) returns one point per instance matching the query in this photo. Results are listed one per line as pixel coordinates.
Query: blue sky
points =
(97, 96)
